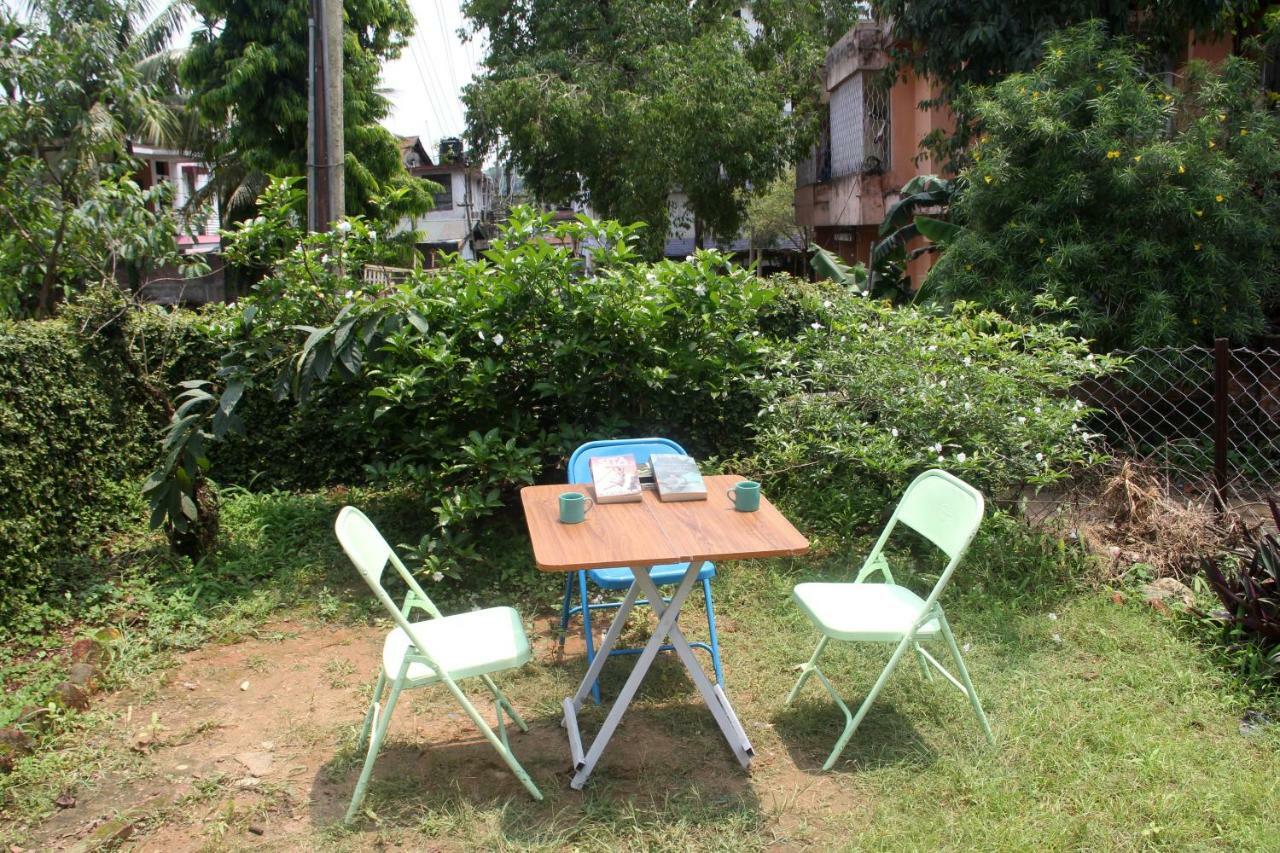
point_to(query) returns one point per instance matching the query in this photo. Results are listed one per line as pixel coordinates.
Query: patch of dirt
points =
(250, 745)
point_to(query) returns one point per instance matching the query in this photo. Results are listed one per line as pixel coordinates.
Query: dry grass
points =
(1132, 515)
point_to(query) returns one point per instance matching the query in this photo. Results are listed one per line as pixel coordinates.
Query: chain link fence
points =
(1207, 420)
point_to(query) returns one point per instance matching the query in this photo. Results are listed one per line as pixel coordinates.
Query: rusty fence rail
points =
(1207, 419)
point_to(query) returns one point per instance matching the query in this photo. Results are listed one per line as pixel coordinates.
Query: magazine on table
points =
(678, 477)
(616, 479)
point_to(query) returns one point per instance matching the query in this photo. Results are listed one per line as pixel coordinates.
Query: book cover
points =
(678, 477)
(615, 479)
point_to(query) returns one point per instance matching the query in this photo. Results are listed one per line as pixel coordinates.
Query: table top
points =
(650, 531)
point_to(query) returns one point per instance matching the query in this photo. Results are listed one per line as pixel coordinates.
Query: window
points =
(860, 126)
(443, 200)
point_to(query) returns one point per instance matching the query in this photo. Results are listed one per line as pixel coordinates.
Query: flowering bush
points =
(871, 395)
(1146, 212)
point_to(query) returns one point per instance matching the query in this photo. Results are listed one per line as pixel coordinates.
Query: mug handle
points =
(590, 503)
(731, 493)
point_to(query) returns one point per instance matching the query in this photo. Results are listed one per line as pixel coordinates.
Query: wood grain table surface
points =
(651, 532)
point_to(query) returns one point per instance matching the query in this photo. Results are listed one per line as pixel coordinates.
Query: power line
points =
(446, 101)
(426, 91)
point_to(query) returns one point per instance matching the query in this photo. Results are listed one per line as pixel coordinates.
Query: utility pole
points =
(326, 184)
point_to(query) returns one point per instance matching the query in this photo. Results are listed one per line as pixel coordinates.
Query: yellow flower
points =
(987, 178)
(1224, 309)
(968, 267)
(1041, 241)
(1197, 247)
(1244, 131)
(1219, 198)
(1199, 213)
(1195, 321)
(1137, 158)
(1168, 98)
(1098, 88)
(1112, 154)
(1212, 144)
(1222, 116)
(1022, 90)
(1182, 170)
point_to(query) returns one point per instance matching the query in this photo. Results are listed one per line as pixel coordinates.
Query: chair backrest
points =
(579, 470)
(943, 509)
(370, 553)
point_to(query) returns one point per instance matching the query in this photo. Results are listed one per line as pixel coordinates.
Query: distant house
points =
(198, 233)
(463, 217)
(869, 144)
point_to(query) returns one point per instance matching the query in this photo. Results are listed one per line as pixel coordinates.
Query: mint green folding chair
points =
(943, 509)
(440, 650)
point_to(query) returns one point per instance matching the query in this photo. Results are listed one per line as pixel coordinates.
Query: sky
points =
(425, 83)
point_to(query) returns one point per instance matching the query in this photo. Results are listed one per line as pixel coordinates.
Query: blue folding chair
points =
(621, 578)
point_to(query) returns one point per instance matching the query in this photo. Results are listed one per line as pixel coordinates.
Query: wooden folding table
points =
(639, 536)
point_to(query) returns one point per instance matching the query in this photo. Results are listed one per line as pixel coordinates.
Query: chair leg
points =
(964, 678)
(806, 670)
(507, 755)
(504, 702)
(372, 713)
(375, 745)
(924, 663)
(711, 627)
(852, 724)
(586, 630)
(564, 607)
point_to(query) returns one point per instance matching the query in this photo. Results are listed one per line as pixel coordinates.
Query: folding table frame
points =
(642, 535)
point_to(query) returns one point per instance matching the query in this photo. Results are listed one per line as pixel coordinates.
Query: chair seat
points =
(871, 612)
(666, 575)
(466, 645)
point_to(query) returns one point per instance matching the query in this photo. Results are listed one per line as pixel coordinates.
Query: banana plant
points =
(903, 222)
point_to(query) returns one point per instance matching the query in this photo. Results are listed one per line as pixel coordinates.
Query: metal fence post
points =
(1221, 414)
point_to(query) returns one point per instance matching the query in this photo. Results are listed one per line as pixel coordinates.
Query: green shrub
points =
(1147, 213)
(74, 433)
(870, 396)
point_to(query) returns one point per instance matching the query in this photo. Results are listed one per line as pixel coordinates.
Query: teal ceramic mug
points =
(745, 496)
(574, 507)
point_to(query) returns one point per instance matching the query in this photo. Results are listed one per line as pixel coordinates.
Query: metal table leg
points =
(666, 630)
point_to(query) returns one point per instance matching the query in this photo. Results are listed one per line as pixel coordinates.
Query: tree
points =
(1144, 214)
(247, 71)
(623, 102)
(770, 217)
(80, 79)
(962, 42)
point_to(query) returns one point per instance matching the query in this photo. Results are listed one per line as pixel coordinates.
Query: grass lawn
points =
(1114, 729)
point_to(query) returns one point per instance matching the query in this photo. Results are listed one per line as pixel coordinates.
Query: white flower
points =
(688, 257)
(344, 227)
(1039, 457)
(498, 339)
(1057, 638)
(826, 303)
(817, 365)
(1036, 410)
(1053, 617)
(1078, 405)
(968, 405)
(967, 647)
(701, 290)
(942, 384)
(349, 294)
(894, 432)
(815, 326)
(937, 448)
(437, 576)
(960, 457)
(939, 457)
(844, 338)
(1021, 420)
(967, 361)
(933, 347)
(373, 236)
(1089, 357)
(651, 278)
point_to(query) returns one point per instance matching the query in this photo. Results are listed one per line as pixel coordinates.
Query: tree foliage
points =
(1147, 213)
(623, 102)
(247, 70)
(79, 80)
(960, 43)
